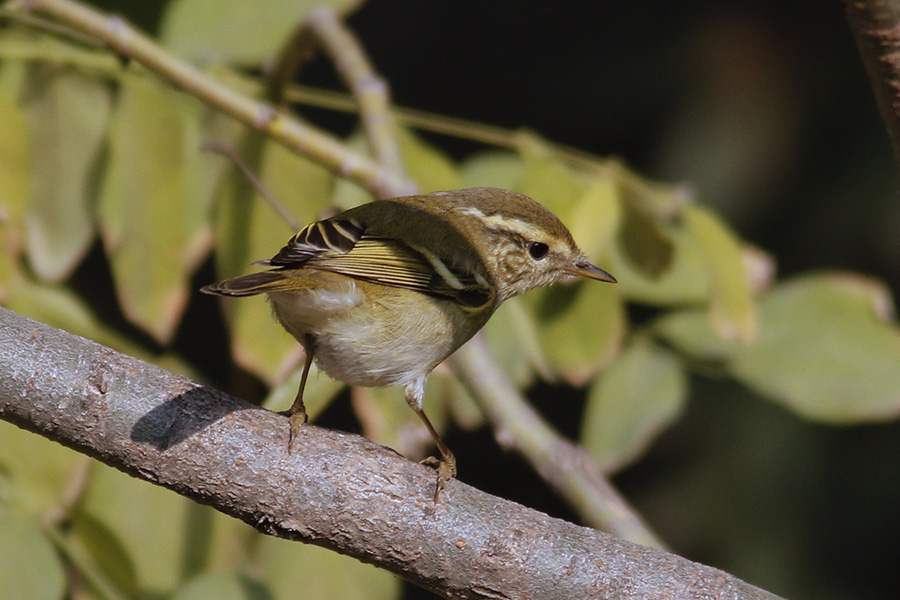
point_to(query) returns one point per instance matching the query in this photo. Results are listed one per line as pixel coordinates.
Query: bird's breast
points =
(372, 335)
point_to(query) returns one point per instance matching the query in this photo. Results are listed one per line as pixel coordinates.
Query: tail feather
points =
(247, 285)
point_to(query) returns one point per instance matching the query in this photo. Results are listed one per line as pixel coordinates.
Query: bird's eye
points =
(537, 250)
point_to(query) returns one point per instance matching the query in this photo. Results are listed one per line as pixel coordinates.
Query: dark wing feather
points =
(323, 237)
(343, 247)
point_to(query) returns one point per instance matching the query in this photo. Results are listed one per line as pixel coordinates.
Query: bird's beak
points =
(586, 269)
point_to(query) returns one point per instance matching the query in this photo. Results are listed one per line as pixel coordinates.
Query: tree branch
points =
(876, 28)
(336, 490)
(300, 137)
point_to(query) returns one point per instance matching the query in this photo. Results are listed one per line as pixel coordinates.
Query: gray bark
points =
(336, 490)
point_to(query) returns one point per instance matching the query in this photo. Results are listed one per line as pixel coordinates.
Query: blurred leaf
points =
(320, 574)
(691, 332)
(684, 281)
(639, 394)
(731, 306)
(547, 179)
(36, 471)
(431, 169)
(248, 229)
(99, 549)
(512, 334)
(644, 241)
(388, 420)
(15, 171)
(581, 327)
(223, 586)
(465, 411)
(148, 520)
(493, 168)
(67, 115)
(236, 31)
(25, 45)
(230, 543)
(821, 349)
(154, 203)
(595, 218)
(29, 565)
(59, 307)
(320, 391)
(348, 194)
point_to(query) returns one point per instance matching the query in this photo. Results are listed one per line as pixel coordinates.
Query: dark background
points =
(764, 109)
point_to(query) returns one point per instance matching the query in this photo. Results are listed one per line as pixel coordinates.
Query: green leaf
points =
(639, 394)
(431, 169)
(154, 205)
(248, 229)
(581, 327)
(148, 520)
(320, 391)
(731, 307)
(223, 586)
(67, 115)
(93, 546)
(35, 471)
(493, 168)
(822, 349)
(547, 179)
(644, 241)
(15, 171)
(29, 565)
(513, 337)
(464, 410)
(59, 307)
(595, 218)
(388, 420)
(684, 281)
(28, 45)
(320, 574)
(236, 31)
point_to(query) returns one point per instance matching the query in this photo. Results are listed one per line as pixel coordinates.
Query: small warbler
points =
(382, 293)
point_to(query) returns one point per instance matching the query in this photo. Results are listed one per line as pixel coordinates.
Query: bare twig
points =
(336, 490)
(505, 405)
(876, 27)
(116, 33)
(370, 90)
(567, 467)
(231, 153)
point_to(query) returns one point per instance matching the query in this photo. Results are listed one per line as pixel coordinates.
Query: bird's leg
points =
(446, 465)
(297, 414)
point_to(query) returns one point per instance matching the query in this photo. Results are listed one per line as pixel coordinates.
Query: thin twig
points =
(567, 467)
(370, 90)
(506, 406)
(231, 153)
(304, 139)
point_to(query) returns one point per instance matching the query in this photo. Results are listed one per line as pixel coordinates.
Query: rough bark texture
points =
(336, 490)
(876, 28)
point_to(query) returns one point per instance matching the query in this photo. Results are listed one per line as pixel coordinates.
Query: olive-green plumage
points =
(382, 293)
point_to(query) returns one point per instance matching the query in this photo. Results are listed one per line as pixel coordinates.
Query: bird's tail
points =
(249, 285)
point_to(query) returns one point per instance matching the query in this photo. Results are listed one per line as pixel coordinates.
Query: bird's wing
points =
(344, 247)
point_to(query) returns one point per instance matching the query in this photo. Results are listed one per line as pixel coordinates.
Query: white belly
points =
(371, 342)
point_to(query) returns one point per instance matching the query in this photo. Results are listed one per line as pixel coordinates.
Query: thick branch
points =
(876, 27)
(336, 490)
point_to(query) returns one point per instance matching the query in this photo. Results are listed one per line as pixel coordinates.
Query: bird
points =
(380, 294)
